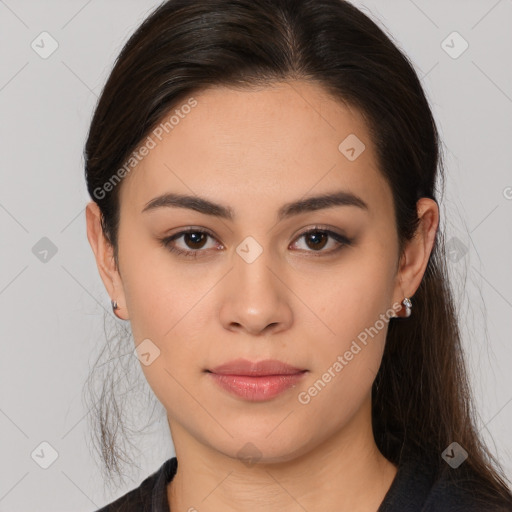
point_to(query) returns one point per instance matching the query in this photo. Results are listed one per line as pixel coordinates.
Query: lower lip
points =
(257, 389)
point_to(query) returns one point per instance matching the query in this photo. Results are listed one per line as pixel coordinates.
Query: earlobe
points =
(104, 255)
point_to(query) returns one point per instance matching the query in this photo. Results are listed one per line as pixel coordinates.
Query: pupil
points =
(194, 237)
(316, 239)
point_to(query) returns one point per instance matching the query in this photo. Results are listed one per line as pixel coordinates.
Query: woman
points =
(264, 214)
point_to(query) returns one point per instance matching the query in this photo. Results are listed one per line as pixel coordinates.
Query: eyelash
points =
(341, 239)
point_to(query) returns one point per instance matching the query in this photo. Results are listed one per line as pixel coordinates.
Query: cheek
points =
(349, 301)
(354, 307)
(155, 291)
(346, 363)
(165, 307)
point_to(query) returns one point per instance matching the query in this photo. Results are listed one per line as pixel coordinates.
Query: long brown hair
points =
(421, 396)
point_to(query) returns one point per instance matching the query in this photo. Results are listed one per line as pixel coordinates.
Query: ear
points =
(104, 254)
(417, 252)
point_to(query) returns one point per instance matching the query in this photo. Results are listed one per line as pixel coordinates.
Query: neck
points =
(346, 472)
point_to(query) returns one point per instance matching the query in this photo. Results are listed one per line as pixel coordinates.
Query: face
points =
(310, 285)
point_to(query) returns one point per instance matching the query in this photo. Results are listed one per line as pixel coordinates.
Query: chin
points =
(260, 448)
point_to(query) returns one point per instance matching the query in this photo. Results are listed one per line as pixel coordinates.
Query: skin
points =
(253, 151)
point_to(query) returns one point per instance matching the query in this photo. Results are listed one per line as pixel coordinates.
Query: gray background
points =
(52, 313)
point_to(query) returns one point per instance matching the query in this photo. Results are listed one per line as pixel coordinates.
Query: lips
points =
(255, 369)
(256, 381)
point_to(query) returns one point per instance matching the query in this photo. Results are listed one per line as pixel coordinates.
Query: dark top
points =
(413, 489)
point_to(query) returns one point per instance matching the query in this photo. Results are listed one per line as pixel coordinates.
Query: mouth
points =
(256, 381)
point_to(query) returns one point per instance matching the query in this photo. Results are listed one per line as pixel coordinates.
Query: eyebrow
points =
(201, 205)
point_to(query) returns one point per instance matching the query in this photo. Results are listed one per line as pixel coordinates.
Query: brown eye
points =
(316, 240)
(188, 243)
(195, 239)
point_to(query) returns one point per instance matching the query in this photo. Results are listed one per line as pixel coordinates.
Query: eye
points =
(193, 238)
(317, 238)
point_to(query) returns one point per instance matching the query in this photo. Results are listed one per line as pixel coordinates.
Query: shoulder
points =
(449, 494)
(427, 487)
(151, 495)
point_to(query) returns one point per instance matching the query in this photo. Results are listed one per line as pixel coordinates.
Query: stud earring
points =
(115, 307)
(408, 305)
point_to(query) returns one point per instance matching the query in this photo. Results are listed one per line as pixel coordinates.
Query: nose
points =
(256, 298)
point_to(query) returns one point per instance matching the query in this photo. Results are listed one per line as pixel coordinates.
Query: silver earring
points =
(114, 305)
(408, 305)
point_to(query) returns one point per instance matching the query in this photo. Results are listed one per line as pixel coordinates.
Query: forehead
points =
(287, 138)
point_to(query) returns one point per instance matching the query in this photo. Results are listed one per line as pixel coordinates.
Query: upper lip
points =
(255, 368)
